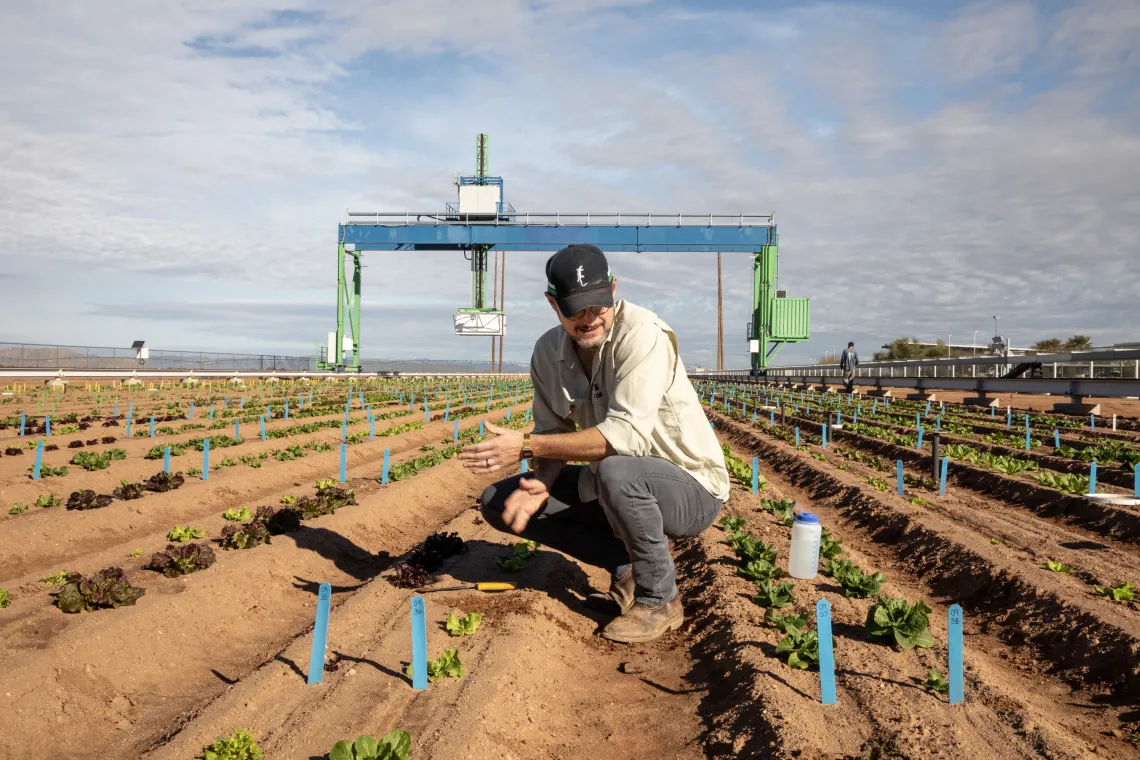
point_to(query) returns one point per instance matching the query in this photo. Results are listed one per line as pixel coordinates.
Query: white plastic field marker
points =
(419, 644)
(954, 634)
(826, 654)
(320, 635)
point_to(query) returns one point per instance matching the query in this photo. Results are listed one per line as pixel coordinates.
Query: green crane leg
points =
(339, 304)
(356, 310)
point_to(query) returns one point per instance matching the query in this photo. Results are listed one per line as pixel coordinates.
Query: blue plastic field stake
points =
(1027, 422)
(211, 411)
(419, 644)
(1056, 438)
(938, 423)
(455, 432)
(874, 407)
(942, 479)
(206, 459)
(826, 653)
(482, 432)
(954, 636)
(371, 428)
(262, 419)
(190, 416)
(447, 412)
(917, 420)
(166, 460)
(755, 474)
(899, 475)
(508, 414)
(343, 460)
(771, 416)
(115, 413)
(1092, 421)
(39, 460)
(919, 444)
(927, 414)
(384, 474)
(1092, 476)
(241, 403)
(991, 411)
(152, 426)
(1027, 438)
(237, 430)
(23, 418)
(268, 412)
(797, 437)
(1136, 480)
(527, 420)
(1008, 417)
(823, 436)
(128, 427)
(320, 635)
(839, 418)
(47, 425)
(855, 417)
(427, 412)
(286, 408)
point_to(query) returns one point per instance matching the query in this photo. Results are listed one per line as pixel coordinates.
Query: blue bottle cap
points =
(807, 517)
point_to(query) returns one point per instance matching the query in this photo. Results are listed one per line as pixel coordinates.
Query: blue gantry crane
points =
(481, 221)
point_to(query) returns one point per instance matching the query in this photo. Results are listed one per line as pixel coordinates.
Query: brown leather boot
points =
(618, 599)
(644, 623)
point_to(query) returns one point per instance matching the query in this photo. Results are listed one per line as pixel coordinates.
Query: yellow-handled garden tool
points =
(474, 587)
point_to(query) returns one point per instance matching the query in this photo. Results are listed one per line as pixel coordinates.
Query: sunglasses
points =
(597, 311)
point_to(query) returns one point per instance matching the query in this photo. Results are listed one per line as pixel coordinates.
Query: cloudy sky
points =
(176, 171)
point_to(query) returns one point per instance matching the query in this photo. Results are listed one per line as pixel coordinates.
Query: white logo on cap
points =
(581, 280)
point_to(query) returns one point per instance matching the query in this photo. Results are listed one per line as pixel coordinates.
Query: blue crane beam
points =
(524, 237)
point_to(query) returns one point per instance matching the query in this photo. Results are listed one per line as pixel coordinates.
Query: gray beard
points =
(592, 344)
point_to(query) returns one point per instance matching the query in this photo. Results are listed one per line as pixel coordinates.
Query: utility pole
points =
(719, 318)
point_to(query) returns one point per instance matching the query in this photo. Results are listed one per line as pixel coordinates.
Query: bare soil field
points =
(1051, 670)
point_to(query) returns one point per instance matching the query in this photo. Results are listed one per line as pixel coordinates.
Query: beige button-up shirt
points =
(638, 396)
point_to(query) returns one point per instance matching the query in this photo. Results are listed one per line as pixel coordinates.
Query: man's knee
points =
(494, 501)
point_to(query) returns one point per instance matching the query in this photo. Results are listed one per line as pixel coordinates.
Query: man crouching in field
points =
(655, 468)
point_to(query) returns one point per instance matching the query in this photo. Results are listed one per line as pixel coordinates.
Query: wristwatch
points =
(527, 452)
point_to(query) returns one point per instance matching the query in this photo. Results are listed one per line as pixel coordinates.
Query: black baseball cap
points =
(578, 276)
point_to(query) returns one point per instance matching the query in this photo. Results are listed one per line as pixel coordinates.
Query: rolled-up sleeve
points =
(545, 420)
(643, 371)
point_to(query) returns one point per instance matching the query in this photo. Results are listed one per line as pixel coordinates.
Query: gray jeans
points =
(643, 502)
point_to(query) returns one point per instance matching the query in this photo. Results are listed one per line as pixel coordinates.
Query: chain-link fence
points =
(41, 356)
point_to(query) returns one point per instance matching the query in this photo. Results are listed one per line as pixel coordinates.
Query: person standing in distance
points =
(609, 389)
(848, 362)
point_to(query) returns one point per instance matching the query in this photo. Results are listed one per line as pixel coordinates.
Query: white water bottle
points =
(803, 560)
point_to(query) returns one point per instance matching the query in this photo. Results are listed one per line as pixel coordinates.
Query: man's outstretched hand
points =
(495, 453)
(523, 502)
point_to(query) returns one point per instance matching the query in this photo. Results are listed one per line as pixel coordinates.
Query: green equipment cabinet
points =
(776, 319)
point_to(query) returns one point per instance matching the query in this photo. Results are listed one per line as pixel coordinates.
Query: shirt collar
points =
(569, 356)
